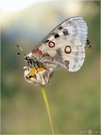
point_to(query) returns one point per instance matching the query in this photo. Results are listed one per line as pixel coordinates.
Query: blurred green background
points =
(74, 97)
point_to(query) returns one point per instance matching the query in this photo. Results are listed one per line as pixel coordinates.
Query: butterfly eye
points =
(26, 58)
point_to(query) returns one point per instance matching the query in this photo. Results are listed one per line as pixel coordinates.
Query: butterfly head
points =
(28, 57)
(35, 73)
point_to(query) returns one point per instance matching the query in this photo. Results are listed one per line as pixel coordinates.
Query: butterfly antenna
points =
(21, 50)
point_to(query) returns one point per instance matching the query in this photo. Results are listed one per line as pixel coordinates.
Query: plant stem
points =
(48, 108)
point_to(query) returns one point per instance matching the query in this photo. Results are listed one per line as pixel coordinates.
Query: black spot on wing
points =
(46, 41)
(60, 28)
(65, 32)
(56, 35)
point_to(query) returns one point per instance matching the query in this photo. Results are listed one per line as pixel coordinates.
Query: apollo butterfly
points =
(63, 47)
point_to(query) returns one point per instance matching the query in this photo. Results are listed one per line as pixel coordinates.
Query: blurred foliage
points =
(74, 97)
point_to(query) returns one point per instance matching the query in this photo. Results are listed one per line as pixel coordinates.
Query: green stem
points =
(48, 108)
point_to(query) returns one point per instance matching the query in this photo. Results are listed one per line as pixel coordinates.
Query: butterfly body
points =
(64, 47)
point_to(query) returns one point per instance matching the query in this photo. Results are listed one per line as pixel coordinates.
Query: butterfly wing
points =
(65, 45)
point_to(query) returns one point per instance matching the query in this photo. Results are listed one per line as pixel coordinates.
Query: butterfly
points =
(63, 47)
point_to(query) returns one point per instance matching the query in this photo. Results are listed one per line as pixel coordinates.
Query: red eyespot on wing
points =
(51, 44)
(67, 49)
(46, 55)
(37, 51)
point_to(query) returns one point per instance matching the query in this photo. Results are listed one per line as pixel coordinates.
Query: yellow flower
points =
(38, 75)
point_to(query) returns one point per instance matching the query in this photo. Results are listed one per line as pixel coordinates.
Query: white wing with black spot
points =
(65, 45)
